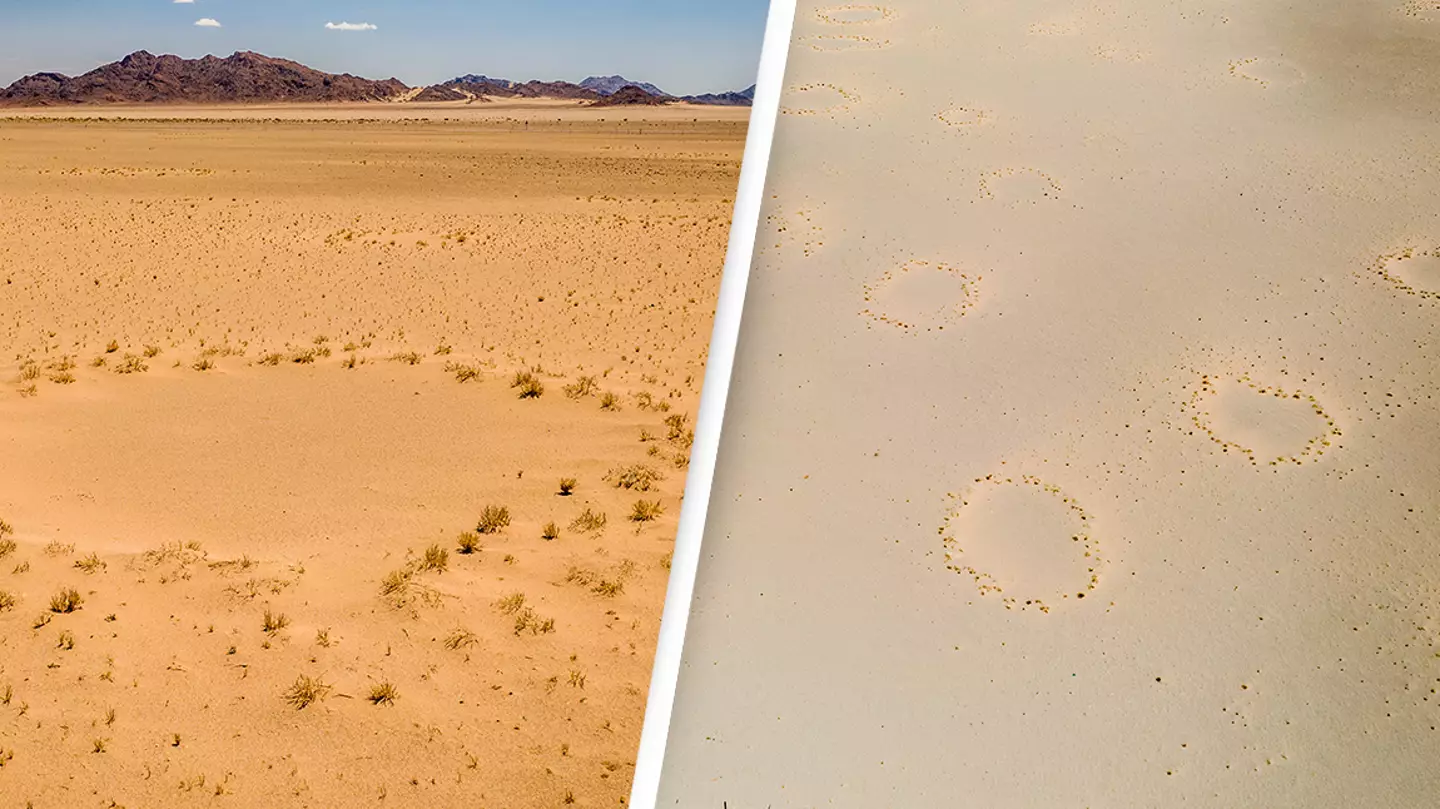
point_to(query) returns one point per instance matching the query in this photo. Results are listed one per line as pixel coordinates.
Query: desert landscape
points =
(1082, 445)
(344, 442)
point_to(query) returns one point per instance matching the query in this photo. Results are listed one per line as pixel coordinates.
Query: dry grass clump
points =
(57, 548)
(407, 357)
(589, 522)
(596, 583)
(550, 531)
(492, 519)
(567, 487)
(582, 387)
(646, 510)
(132, 365)
(461, 638)
(638, 477)
(383, 693)
(436, 558)
(203, 364)
(463, 373)
(609, 401)
(274, 622)
(67, 641)
(112, 347)
(678, 422)
(526, 619)
(91, 563)
(272, 359)
(306, 691)
(529, 385)
(7, 545)
(667, 560)
(469, 542)
(7, 601)
(66, 601)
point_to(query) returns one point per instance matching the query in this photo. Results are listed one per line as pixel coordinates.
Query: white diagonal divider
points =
(764, 111)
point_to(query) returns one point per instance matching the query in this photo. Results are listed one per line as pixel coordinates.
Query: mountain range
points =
(246, 77)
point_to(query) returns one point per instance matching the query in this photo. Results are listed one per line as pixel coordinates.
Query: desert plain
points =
(343, 446)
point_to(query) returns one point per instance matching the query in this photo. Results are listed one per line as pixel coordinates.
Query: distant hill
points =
(744, 98)
(246, 77)
(608, 85)
(243, 77)
(631, 95)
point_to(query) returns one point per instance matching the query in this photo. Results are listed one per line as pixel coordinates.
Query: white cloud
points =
(350, 26)
(184, 1)
(206, 22)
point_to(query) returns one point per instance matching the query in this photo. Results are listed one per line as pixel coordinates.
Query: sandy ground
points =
(261, 380)
(1082, 448)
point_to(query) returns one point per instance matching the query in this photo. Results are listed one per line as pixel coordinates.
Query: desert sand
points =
(268, 372)
(1081, 449)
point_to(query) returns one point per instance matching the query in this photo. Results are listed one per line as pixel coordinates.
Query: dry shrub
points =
(436, 558)
(638, 477)
(646, 510)
(567, 487)
(609, 401)
(492, 519)
(469, 542)
(589, 522)
(306, 691)
(582, 387)
(550, 531)
(461, 638)
(66, 601)
(384, 693)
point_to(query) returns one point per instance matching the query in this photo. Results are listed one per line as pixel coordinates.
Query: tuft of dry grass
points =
(67, 640)
(66, 601)
(436, 558)
(609, 401)
(511, 604)
(550, 531)
(589, 522)
(646, 511)
(469, 542)
(90, 564)
(463, 373)
(492, 519)
(132, 365)
(461, 638)
(567, 488)
(7, 601)
(638, 477)
(408, 357)
(274, 622)
(306, 691)
(582, 387)
(384, 693)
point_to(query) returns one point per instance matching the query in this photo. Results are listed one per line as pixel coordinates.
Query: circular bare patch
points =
(820, 98)
(920, 296)
(855, 14)
(963, 118)
(1021, 539)
(1261, 423)
(841, 43)
(1017, 185)
(1267, 71)
(1412, 271)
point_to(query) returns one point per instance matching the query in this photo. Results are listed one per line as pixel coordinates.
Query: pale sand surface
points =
(246, 466)
(1019, 270)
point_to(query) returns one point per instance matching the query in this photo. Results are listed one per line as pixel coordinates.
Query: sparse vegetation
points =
(582, 387)
(529, 385)
(550, 531)
(67, 640)
(463, 373)
(609, 401)
(90, 564)
(203, 364)
(646, 511)
(567, 487)
(639, 477)
(384, 693)
(589, 522)
(469, 542)
(407, 357)
(132, 365)
(66, 601)
(461, 638)
(493, 519)
(436, 558)
(274, 622)
(306, 691)
(7, 601)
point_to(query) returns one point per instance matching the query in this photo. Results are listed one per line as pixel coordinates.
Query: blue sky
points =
(684, 46)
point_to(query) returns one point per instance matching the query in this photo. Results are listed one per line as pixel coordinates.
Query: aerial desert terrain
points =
(1083, 443)
(343, 445)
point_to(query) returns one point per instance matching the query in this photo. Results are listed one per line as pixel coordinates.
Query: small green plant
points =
(306, 691)
(469, 542)
(492, 519)
(567, 487)
(66, 601)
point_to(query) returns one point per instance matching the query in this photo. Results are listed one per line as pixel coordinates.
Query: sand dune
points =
(266, 381)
